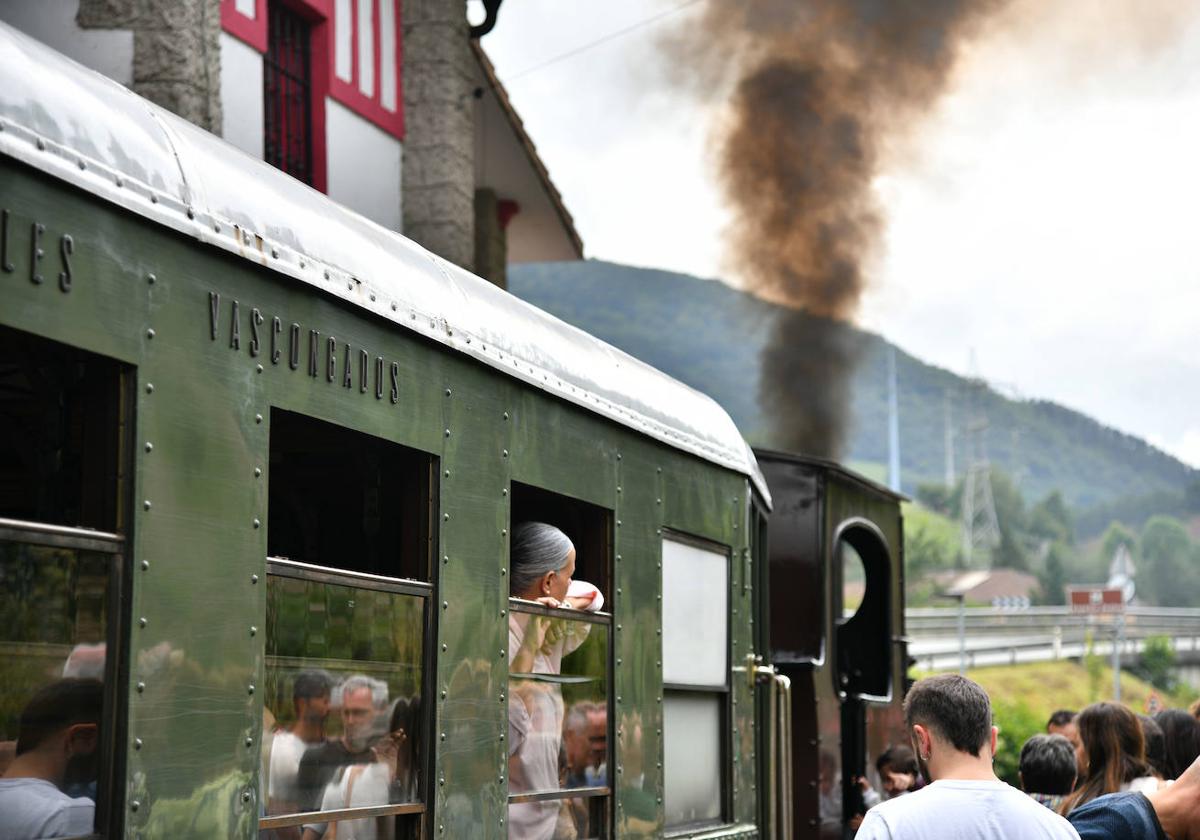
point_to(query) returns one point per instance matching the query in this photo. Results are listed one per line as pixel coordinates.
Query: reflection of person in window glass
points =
(56, 746)
(542, 564)
(390, 778)
(597, 771)
(310, 700)
(577, 749)
(362, 699)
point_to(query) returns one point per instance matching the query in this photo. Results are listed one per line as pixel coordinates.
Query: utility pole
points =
(948, 432)
(893, 424)
(980, 527)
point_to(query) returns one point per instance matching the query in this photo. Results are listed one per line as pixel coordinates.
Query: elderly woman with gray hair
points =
(542, 561)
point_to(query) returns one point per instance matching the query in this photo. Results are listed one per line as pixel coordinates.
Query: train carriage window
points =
(63, 441)
(559, 667)
(347, 626)
(695, 604)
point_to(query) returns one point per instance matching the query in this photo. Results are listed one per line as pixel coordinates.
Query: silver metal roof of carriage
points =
(77, 125)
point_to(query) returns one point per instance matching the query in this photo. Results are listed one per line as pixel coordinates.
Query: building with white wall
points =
(388, 106)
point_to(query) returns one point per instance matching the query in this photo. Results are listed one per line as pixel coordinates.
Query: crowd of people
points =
(373, 761)
(1103, 773)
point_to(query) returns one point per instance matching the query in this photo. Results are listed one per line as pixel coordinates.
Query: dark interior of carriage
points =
(60, 433)
(589, 527)
(348, 500)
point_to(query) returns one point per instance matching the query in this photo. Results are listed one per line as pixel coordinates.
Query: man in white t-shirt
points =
(949, 719)
(310, 699)
(57, 737)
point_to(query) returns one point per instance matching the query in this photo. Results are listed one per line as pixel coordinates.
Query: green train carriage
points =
(250, 434)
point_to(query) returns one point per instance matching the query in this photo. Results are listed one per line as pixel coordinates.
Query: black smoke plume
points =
(812, 92)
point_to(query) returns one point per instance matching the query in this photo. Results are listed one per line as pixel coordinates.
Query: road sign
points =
(1096, 599)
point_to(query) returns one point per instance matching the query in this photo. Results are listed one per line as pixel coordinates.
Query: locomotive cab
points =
(835, 628)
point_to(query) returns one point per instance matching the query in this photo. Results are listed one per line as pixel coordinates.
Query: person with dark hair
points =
(362, 701)
(57, 738)
(1181, 741)
(1113, 750)
(1047, 769)
(542, 563)
(1156, 748)
(949, 719)
(390, 777)
(898, 770)
(1170, 811)
(310, 704)
(1062, 722)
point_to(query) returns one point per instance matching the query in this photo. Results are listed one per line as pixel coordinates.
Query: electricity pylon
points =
(980, 527)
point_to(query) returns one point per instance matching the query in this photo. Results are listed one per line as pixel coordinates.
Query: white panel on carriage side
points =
(387, 54)
(692, 757)
(343, 40)
(364, 165)
(107, 51)
(366, 47)
(242, 95)
(246, 7)
(695, 605)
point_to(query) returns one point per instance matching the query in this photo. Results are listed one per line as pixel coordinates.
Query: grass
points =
(1044, 687)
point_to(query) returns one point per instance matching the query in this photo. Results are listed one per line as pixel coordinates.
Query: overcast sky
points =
(1044, 219)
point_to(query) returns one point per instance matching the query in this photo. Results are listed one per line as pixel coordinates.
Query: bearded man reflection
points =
(362, 700)
(56, 746)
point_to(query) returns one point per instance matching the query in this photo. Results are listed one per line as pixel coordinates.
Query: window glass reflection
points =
(343, 680)
(557, 722)
(52, 665)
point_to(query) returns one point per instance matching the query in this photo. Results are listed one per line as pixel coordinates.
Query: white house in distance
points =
(390, 107)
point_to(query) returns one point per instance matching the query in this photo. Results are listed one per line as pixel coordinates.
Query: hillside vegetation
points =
(709, 336)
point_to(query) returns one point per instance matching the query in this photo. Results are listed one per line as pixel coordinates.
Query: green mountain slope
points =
(709, 335)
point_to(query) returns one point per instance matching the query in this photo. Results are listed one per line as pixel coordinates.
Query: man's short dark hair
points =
(1048, 765)
(56, 706)
(900, 758)
(1061, 718)
(311, 684)
(955, 708)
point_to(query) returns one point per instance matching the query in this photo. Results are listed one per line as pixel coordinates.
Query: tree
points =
(1166, 575)
(1052, 577)
(1051, 519)
(923, 551)
(935, 496)
(1156, 663)
(1116, 536)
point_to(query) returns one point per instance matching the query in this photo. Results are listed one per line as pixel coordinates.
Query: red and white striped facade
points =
(357, 101)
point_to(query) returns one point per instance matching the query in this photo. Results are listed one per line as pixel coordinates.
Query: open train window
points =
(63, 445)
(560, 671)
(348, 500)
(348, 627)
(61, 426)
(696, 688)
(588, 526)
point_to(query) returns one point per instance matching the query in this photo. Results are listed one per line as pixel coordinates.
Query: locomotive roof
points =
(81, 127)
(831, 467)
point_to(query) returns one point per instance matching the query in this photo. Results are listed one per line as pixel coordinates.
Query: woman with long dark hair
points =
(1112, 751)
(1181, 737)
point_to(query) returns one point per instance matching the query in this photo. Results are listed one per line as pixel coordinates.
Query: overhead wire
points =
(604, 39)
